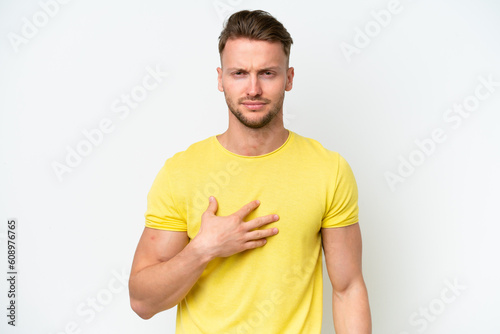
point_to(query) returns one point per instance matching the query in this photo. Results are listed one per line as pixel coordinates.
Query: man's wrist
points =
(200, 250)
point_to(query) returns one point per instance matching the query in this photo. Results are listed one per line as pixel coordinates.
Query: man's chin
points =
(251, 122)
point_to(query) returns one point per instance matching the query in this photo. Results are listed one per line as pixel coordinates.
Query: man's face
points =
(254, 78)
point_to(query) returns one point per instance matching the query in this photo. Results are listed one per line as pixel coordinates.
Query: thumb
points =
(212, 205)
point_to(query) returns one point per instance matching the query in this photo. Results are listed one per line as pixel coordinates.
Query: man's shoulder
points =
(195, 151)
(315, 148)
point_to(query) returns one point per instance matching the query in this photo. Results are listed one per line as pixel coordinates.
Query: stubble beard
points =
(259, 123)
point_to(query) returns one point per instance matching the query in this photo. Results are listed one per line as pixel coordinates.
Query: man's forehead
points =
(239, 52)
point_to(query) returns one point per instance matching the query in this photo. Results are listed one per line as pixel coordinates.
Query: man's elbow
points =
(140, 309)
(354, 285)
(147, 310)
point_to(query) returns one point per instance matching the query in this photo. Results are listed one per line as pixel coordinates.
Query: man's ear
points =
(219, 79)
(289, 79)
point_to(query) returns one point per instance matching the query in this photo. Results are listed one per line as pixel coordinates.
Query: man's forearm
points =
(162, 286)
(351, 310)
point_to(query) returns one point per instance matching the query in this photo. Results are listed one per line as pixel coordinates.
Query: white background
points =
(78, 234)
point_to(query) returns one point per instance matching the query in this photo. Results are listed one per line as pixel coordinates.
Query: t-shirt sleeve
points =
(162, 212)
(343, 205)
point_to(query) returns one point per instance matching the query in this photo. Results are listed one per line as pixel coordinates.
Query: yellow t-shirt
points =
(276, 288)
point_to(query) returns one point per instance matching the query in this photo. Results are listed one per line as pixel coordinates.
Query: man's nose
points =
(254, 88)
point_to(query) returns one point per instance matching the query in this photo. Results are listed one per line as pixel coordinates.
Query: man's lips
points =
(253, 104)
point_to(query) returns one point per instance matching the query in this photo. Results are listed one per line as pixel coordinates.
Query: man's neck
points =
(253, 142)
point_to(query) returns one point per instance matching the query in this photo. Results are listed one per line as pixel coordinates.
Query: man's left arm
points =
(351, 310)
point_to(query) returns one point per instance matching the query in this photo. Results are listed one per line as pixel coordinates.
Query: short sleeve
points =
(161, 210)
(343, 206)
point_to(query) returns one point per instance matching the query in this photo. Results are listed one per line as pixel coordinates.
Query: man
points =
(251, 261)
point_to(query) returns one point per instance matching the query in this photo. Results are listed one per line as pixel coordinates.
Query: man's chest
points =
(299, 197)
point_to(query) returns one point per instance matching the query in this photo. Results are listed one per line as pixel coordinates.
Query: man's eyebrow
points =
(270, 68)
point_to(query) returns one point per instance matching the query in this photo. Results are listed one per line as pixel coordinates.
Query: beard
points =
(255, 123)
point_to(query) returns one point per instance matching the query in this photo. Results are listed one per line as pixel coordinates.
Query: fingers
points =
(261, 234)
(247, 208)
(261, 221)
(212, 205)
(255, 243)
(245, 211)
(257, 238)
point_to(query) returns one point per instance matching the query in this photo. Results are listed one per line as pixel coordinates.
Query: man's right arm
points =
(166, 265)
(164, 269)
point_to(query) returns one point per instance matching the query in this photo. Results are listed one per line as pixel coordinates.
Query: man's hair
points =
(257, 25)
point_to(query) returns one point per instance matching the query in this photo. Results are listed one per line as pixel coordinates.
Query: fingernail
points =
(276, 217)
(258, 202)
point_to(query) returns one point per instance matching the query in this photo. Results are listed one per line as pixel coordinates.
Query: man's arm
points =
(166, 265)
(164, 269)
(351, 310)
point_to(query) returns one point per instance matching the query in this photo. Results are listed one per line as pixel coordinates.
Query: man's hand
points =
(223, 236)
(166, 265)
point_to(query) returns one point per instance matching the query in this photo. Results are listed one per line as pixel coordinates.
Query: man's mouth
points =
(253, 105)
